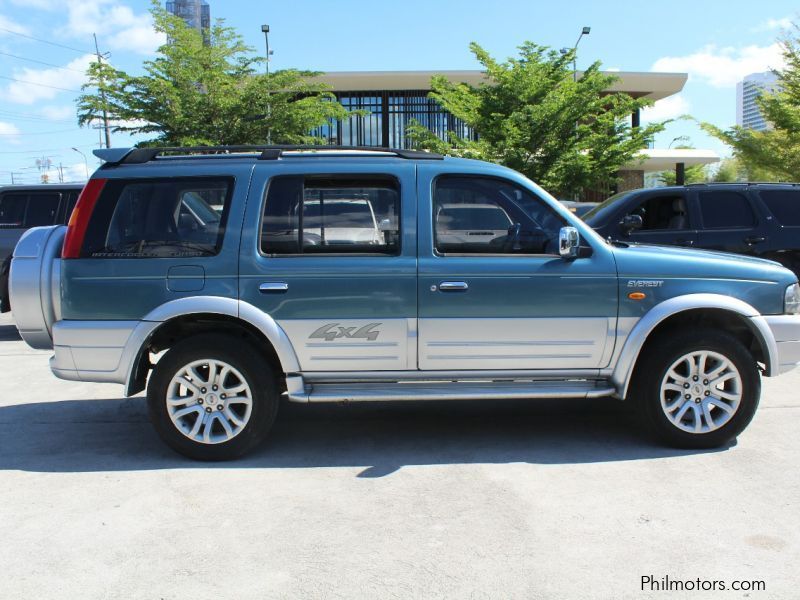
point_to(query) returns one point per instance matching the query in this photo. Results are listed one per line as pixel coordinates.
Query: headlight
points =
(791, 300)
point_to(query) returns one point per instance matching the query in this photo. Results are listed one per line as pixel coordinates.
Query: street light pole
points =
(265, 30)
(85, 162)
(584, 31)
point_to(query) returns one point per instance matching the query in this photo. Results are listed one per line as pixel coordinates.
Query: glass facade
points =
(385, 118)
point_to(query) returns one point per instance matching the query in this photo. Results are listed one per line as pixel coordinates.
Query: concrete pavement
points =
(548, 499)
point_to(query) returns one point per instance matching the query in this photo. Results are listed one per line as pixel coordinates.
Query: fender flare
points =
(218, 305)
(623, 371)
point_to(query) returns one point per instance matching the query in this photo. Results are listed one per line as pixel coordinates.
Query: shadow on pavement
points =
(9, 333)
(115, 435)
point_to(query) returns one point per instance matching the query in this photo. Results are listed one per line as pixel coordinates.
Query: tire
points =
(673, 419)
(205, 422)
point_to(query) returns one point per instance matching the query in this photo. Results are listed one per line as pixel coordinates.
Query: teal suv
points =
(221, 279)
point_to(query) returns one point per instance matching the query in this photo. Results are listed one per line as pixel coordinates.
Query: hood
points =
(644, 260)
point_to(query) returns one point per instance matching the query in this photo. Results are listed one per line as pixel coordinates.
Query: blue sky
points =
(715, 41)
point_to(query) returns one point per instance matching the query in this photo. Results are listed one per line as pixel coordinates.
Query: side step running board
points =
(472, 390)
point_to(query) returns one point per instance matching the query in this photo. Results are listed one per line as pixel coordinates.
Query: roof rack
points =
(713, 183)
(135, 156)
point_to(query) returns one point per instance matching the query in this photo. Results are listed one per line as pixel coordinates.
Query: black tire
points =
(659, 356)
(256, 372)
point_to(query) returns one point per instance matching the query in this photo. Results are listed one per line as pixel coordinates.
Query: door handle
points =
(276, 287)
(686, 242)
(453, 286)
(754, 240)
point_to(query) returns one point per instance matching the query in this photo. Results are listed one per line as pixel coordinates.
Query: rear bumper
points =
(786, 331)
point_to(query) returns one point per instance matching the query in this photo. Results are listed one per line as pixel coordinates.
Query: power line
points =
(53, 87)
(30, 37)
(41, 62)
(46, 150)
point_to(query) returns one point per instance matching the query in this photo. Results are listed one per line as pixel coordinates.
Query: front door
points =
(334, 261)
(667, 219)
(493, 292)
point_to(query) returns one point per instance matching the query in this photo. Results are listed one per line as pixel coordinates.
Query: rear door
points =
(333, 261)
(729, 222)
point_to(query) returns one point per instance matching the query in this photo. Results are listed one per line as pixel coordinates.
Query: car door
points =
(22, 210)
(493, 300)
(667, 219)
(729, 222)
(334, 260)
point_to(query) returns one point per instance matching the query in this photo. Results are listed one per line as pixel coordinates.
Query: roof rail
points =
(133, 156)
(712, 183)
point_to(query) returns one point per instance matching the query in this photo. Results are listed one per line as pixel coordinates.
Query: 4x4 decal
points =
(332, 331)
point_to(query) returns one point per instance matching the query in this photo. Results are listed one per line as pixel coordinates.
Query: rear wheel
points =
(211, 397)
(696, 389)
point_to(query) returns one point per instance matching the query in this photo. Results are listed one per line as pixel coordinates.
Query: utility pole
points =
(102, 95)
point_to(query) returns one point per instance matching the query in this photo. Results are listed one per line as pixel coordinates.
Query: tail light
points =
(79, 221)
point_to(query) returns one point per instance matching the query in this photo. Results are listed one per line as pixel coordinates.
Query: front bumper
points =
(786, 331)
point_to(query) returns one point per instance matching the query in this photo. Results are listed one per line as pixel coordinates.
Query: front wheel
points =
(211, 398)
(697, 389)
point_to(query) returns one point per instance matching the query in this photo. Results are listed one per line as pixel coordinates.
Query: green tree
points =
(531, 115)
(204, 94)
(773, 154)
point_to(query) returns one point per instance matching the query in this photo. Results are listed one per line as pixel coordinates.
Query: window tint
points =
(42, 209)
(308, 215)
(12, 209)
(660, 213)
(784, 204)
(479, 215)
(724, 210)
(159, 218)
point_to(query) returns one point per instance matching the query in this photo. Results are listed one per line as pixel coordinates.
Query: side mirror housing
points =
(569, 242)
(387, 225)
(630, 223)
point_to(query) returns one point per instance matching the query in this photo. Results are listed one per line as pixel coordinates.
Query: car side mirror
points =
(568, 242)
(631, 223)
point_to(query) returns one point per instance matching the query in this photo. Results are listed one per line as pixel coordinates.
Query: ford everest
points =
(221, 279)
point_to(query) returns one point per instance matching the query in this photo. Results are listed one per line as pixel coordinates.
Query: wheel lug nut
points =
(199, 400)
(208, 409)
(697, 400)
(203, 390)
(695, 378)
(707, 393)
(213, 387)
(705, 381)
(223, 396)
(688, 396)
(686, 385)
(220, 407)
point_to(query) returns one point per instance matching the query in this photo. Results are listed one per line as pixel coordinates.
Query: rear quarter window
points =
(726, 210)
(159, 218)
(784, 205)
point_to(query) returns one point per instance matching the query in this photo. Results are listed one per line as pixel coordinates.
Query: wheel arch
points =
(733, 314)
(189, 316)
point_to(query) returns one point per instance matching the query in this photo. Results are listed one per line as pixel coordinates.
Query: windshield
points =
(601, 213)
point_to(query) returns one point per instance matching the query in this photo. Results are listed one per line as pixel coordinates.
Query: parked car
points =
(26, 206)
(579, 208)
(220, 318)
(759, 219)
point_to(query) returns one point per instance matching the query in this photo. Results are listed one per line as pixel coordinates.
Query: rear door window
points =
(42, 209)
(163, 218)
(784, 205)
(726, 210)
(329, 215)
(12, 209)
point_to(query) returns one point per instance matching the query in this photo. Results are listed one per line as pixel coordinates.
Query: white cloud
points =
(58, 113)
(723, 67)
(116, 23)
(6, 23)
(9, 133)
(772, 24)
(668, 108)
(29, 92)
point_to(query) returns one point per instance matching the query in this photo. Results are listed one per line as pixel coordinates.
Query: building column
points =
(635, 119)
(680, 173)
(385, 119)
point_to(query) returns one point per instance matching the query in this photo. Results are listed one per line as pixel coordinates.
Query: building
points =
(391, 99)
(196, 13)
(748, 114)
